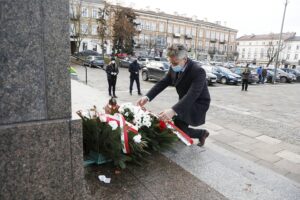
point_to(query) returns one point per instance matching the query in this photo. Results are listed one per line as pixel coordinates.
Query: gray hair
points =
(177, 50)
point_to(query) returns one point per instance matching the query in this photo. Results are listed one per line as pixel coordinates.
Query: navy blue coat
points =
(191, 86)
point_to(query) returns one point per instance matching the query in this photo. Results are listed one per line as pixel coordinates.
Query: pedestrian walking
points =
(264, 74)
(189, 80)
(259, 73)
(134, 69)
(112, 72)
(245, 78)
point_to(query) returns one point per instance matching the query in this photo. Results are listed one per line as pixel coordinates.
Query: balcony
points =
(222, 42)
(176, 35)
(213, 40)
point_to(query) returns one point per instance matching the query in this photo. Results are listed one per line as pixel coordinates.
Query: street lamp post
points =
(279, 43)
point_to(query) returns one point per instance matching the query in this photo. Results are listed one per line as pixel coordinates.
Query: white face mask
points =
(113, 62)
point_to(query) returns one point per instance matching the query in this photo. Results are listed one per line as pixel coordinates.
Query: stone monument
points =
(40, 145)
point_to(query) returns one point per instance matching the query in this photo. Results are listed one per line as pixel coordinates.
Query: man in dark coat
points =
(245, 78)
(194, 98)
(112, 72)
(134, 69)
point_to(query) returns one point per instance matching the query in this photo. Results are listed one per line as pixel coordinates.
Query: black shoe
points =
(140, 94)
(203, 138)
(115, 96)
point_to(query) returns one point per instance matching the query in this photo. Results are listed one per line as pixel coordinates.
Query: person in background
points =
(134, 69)
(112, 72)
(259, 73)
(245, 78)
(189, 80)
(264, 74)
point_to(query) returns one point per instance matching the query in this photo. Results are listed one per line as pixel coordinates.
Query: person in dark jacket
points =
(245, 78)
(264, 74)
(134, 69)
(112, 72)
(189, 80)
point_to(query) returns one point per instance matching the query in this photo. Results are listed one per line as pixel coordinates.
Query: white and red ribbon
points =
(124, 126)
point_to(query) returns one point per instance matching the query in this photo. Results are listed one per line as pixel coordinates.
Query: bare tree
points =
(272, 50)
(103, 15)
(78, 31)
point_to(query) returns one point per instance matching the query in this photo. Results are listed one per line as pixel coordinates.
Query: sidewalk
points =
(236, 163)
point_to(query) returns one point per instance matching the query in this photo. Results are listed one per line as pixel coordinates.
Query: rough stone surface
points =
(34, 49)
(35, 161)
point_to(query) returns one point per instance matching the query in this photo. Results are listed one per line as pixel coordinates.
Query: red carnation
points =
(162, 125)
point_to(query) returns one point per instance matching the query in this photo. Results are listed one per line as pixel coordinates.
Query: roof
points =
(296, 38)
(271, 36)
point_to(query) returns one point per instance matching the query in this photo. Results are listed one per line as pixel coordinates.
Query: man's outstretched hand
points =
(142, 101)
(166, 115)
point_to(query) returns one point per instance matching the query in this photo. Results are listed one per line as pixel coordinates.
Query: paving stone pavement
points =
(259, 137)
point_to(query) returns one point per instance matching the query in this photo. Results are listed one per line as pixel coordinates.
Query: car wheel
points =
(223, 80)
(283, 79)
(145, 76)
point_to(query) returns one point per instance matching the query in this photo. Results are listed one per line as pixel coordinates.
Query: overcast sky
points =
(247, 16)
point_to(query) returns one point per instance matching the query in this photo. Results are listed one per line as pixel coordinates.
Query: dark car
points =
(253, 77)
(155, 70)
(293, 71)
(125, 62)
(225, 76)
(94, 61)
(285, 77)
(269, 78)
(86, 53)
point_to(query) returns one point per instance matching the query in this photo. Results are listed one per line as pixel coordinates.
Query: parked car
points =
(225, 76)
(86, 53)
(143, 61)
(125, 62)
(270, 75)
(210, 77)
(253, 77)
(293, 71)
(155, 70)
(285, 77)
(94, 61)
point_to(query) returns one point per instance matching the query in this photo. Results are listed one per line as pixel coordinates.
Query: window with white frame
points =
(95, 13)
(200, 33)
(72, 10)
(212, 34)
(207, 34)
(296, 57)
(161, 27)
(297, 47)
(84, 12)
(288, 56)
(94, 29)
(72, 29)
(182, 31)
(289, 47)
(84, 45)
(188, 31)
(176, 29)
(232, 37)
(153, 26)
(84, 28)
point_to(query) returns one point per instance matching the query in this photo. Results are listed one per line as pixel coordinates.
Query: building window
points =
(188, 31)
(84, 12)
(207, 34)
(288, 56)
(72, 30)
(161, 27)
(297, 47)
(194, 31)
(212, 34)
(94, 47)
(182, 30)
(289, 47)
(95, 13)
(296, 57)
(176, 29)
(250, 43)
(72, 11)
(94, 29)
(84, 28)
(200, 33)
(153, 26)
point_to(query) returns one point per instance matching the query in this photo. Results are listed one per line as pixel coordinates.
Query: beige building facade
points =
(157, 30)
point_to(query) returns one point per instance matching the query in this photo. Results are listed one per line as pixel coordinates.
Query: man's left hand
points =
(166, 115)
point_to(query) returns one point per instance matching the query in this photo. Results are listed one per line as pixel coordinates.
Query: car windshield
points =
(225, 70)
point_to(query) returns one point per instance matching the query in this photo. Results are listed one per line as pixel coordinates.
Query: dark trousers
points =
(245, 84)
(137, 80)
(193, 133)
(112, 85)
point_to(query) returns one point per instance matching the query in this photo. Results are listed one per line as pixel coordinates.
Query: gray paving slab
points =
(264, 155)
(232, 175)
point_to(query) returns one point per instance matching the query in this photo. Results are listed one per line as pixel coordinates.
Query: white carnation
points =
(137, 138)
(113, 124)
